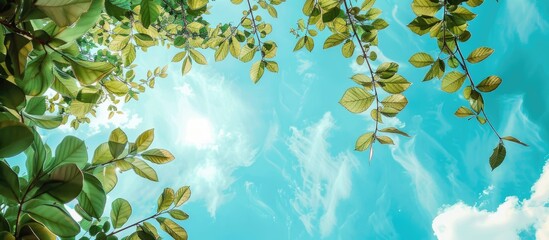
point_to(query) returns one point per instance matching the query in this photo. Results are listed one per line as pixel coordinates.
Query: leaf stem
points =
(255, 29)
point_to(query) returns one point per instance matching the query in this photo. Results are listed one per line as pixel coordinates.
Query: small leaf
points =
(394, 130)
(364, 141)
(513, 139)
(144, 140)
(385, 140)
(142, 169)
(198, 57)
(497, 156)
(178, 214)
(489, 84)
(479, 54)
(182, 195)
(453, 81)
(257, 70)
(170, 227)
(334, 40)
(165, 200)
(117, 142)
(356, 100)
(421, 60)
(464, 112)
(121, 211)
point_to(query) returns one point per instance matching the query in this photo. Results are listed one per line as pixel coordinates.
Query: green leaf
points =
(198, 57)
(121, 211)
(356, 100)
(15, 137)
(380, 24)
(425, 7)
(436, 70)
(102, 154)
(36, 105)
(149, 12)
(474, 3)
(197, 4)
(464, 112)
(222, 51)
(513, 139)
(182, 195)
(165, 200)
(395, 84)
(53, 216)
(117, 87)
(38, 76)
(376, 116)
(421, 60)
(385, 140)
(362, 79)
(107, 177)
(70, 150)
(364, 141)
(178, 214)
(9, 182)
(186, 66)
(117, 142)
(92, 199)
(142, 169)
(257, 70)
(453, 81)
(36, 157)
(144, 140)
(86, 21)
(423, 24)
(272, 66)
(387, 70)
(489, 84)
(11, 96)
(34, 230)
(158, 156)
(63, 184)
(394, 130)
(479, 54)
(334, 40)
(170, 227)
(348, 49)
(63, 12)
(497, 156)
(396, 101)
(89, 73)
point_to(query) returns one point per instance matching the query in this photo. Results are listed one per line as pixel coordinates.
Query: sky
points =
(275, 160)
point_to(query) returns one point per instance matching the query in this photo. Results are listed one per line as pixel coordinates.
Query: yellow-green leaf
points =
(356, 100)
(117, 87)
(117, 142)
(421, 59)
(158, 156)
(63, 12)
(257, 70)
(385, 140)
(170, 227)
(453, 81)
(121, 211)
(394, 130)
(182, 195)
(334, 40)
(89, 73)
(364, 141)
(489, 84)
(464, 112)
(144, 140)
(186, 66)
(196, 4)
(198, 57)
(497, 156)
(165, 200)
(479, 54)
(396, 101)
(513, 139)
(348, 49)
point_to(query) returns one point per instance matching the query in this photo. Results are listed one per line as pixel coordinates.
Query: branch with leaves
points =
(451, 31)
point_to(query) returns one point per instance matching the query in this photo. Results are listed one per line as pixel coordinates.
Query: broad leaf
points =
(9, 182)
(117, 142)
(63, 12)
(15, 137)
(364, 141)
(479, 54)
(453, 81)
(158, 156)
(497, 156)
(92, 199)
(357, 100)
(63, 184)
(170, 227)
(165, 200)
(121, 211)
(70, 150)
(182, 195)
(53, 216)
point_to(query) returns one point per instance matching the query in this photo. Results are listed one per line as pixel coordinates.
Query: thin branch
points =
(255, 29)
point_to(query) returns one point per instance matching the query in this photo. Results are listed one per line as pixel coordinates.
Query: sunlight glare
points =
(199, 132)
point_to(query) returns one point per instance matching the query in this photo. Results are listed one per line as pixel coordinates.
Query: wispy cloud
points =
(524, 19)
(513, 216)
(326, 179)
(259, 205)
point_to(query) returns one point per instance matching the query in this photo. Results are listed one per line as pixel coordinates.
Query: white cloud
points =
(524, 19)
(461, 221)
(326, 179)
(259, 205)
(304, 65)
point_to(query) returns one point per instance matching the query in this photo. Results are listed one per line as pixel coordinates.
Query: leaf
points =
(222, 51)
(178, 214)
(489, 84)
(387, 70)
(117, 142)
(144, 140)
(102, 154)
(348, 49)
(421, 60)
(36, 155)
(257, 70)
(395, 84)
(396, 101)
(362, 79)
(142, 169)
(53, 216)
(9, 183)
(89, 73)
(425, 7)
(497, 156)
(107, 177)
(479, 54)
(453, 81)
(513, 139)
(376, 116)
(334, 40)
(63, 184)
(394, 130)
(36, 105)
(86, 21)
(182, 195)
(464, 112)
(158, 156)
(149, 12)
(34, 230)
(179, 56)
(121, 211)
(92, 199)
(70, 150)
(186, 66)
(165, 200)
(15, 137)
(63, 12)
(356, 100)
(117, 87)
(11, 96)
(197, 4)
(198, 57)
(364, 141)
(38, 76)
(272, 66)
(170, 227)
(385, 140)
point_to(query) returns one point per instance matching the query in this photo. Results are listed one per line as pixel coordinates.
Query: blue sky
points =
(275, 160)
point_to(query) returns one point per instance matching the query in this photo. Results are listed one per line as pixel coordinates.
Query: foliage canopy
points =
(60, 59)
